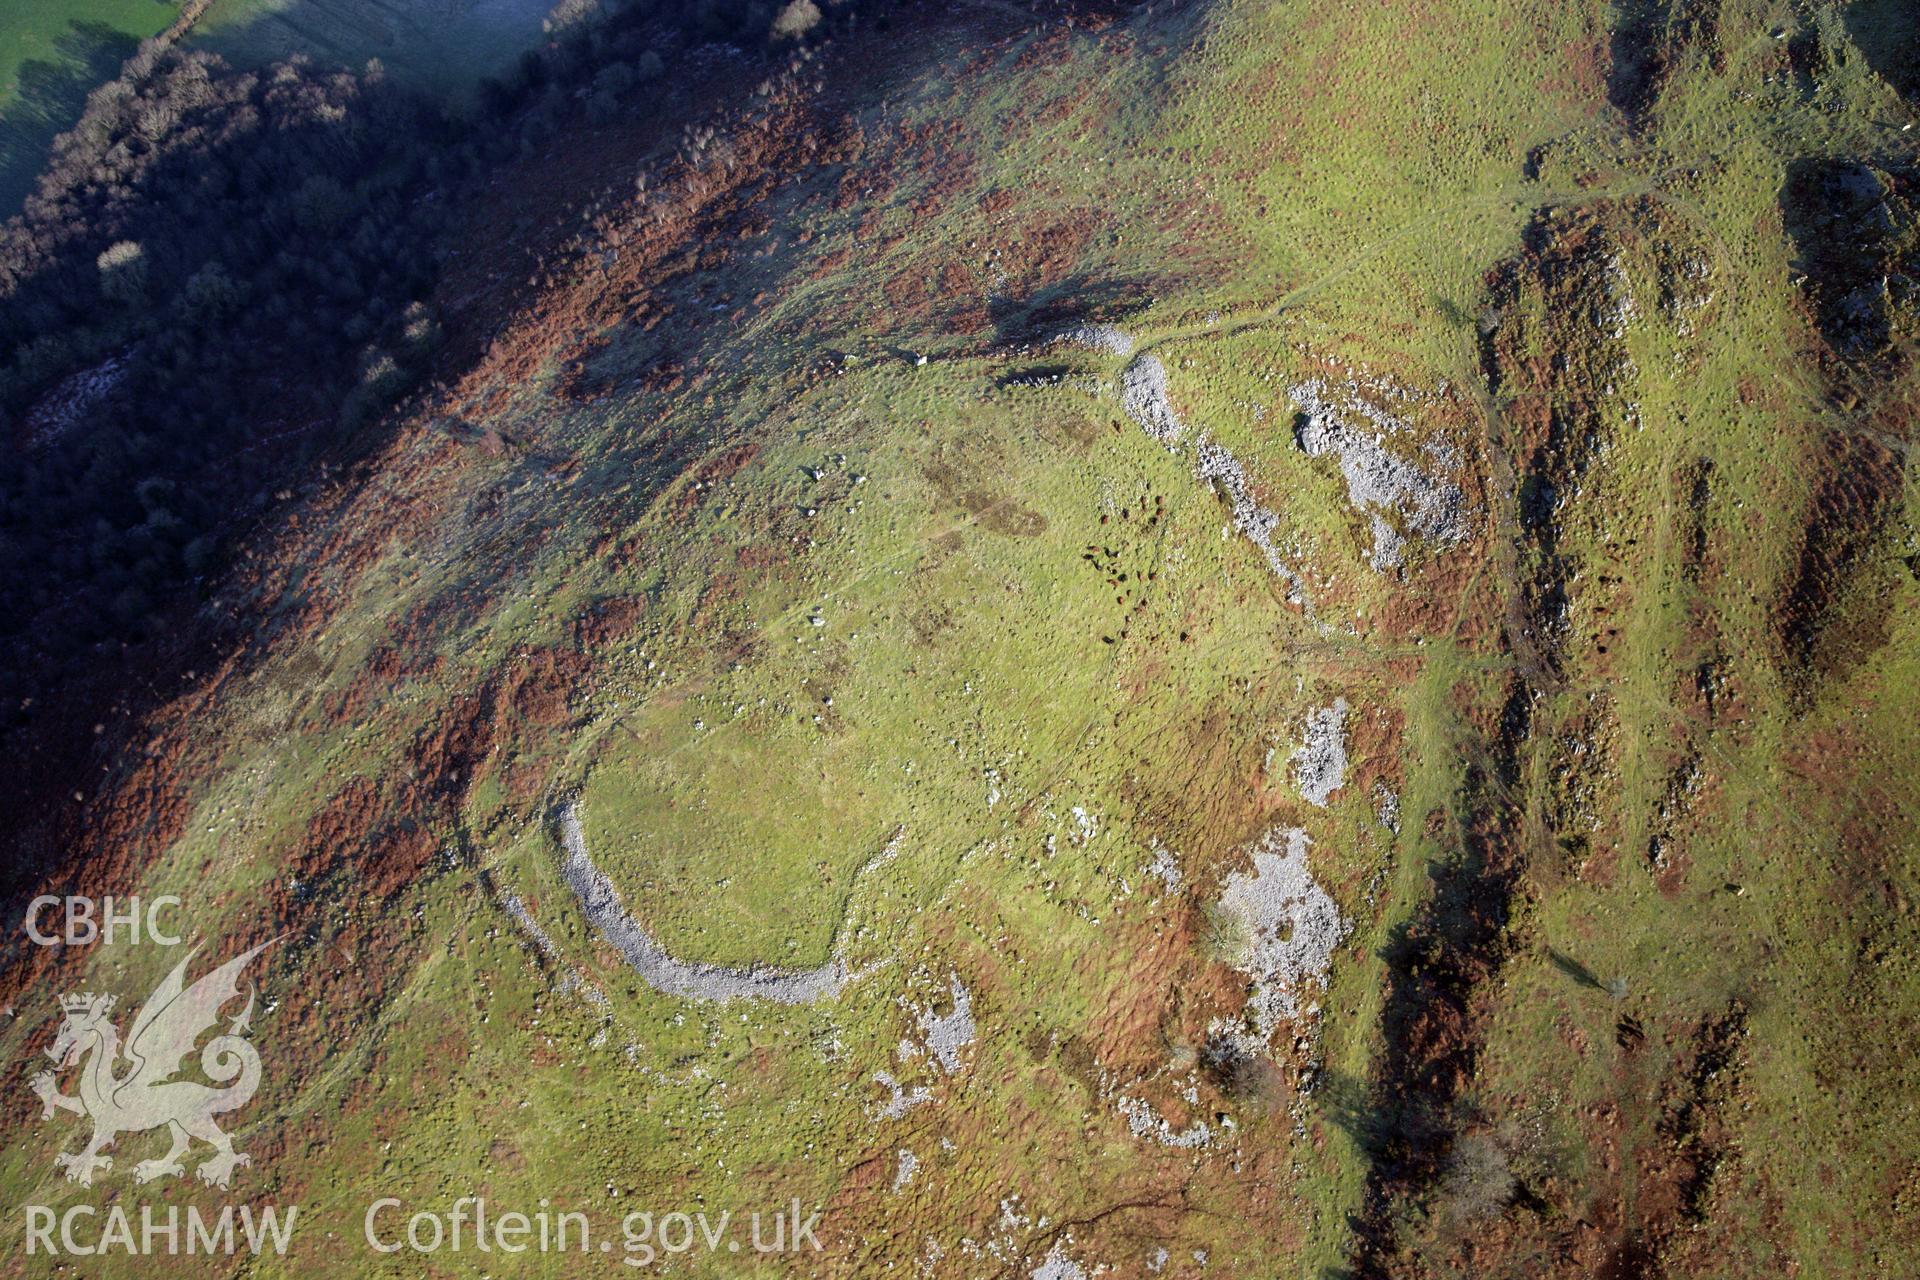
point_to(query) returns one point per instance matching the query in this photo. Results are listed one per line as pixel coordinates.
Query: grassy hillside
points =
(762, 511)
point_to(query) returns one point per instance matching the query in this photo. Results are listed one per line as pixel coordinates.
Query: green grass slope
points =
(860, 619)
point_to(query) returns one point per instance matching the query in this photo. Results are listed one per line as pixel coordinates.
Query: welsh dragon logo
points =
(131, 1088)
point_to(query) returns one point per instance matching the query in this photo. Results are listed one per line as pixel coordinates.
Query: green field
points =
(444, 46)
(51, 54)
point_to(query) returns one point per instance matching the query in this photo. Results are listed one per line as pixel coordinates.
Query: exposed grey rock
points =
(1109, 338)
(662, 972)
(1399, 497)
(1143, 394)
(1058, 1266)
(73, 400)
(1293, 927)
(524, 918)
(1258, 525)
(943, 1037)
(1165, 867)
(1386, 807)
(1320, 765)
(1145, 1122)
(903, 1099)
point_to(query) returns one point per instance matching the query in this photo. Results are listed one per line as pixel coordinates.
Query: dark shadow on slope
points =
(1638, 59)
(1406, 1119)
(281, 261)
(1041, 315)
(1887, 33)
(1826, 622)
(1349, 1105)
(1855, 227)
(279, 233)
(238, 348)
(1649, 43)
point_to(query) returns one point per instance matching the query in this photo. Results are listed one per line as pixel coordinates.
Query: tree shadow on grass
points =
(1581, 975)
(50, 95)
(1042, 314)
